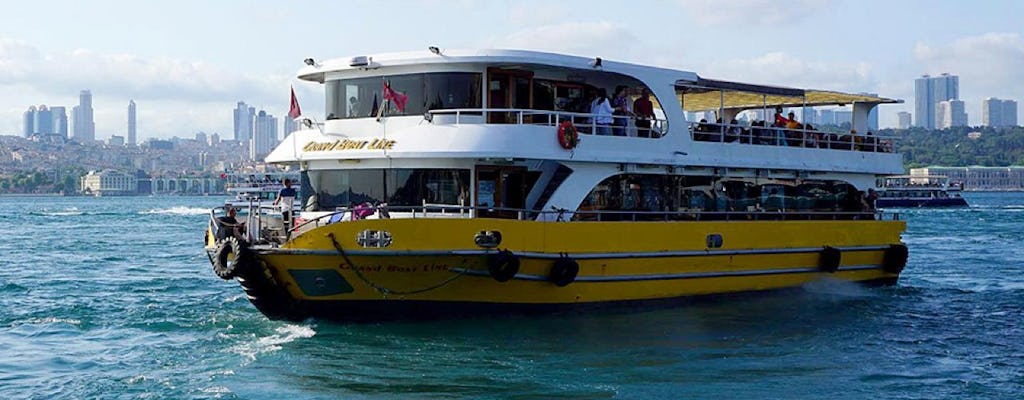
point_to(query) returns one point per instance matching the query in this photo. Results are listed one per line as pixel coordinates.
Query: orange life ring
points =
(568, 136)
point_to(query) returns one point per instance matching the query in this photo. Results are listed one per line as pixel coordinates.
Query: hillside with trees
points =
(953, 147)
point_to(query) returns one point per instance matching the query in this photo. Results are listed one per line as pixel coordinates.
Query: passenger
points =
(870, 143)
(620, 105)
(734, 131)
(780, 121)
(229, 226)
(602, 109)
(644, 110)
(286, 200)
(353, 107)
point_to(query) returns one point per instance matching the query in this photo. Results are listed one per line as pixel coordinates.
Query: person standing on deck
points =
(286, 200)
(644, 110)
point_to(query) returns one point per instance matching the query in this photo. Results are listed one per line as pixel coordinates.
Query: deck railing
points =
(775, 136)
(585, 122)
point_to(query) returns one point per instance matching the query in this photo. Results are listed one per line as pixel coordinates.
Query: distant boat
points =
(919, 191)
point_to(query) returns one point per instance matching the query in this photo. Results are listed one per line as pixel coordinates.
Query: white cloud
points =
(778, 68)
(581, 38)
(751, 12)
(178, 93)
(988, 65)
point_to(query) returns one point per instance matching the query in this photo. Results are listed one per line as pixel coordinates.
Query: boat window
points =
(331, 189)
(362, 97)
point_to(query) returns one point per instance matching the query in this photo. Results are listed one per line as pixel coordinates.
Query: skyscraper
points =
(264, 136)
(84, 126)
(243, 122)
(60, 120)
(998, 113)
(288, 126)
(131, 124)
(30, 121)
(950, 113)
(903, 120)
(43, 120)
(928, 92)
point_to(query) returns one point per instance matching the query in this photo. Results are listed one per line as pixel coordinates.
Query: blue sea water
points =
(114, 298)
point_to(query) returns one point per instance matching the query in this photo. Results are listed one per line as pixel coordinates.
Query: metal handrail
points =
(585, 121)
(727, 133)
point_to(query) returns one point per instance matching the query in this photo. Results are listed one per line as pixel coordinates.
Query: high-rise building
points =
(45, 121)
(132, 124)
(60, 121)
(289, 125)
(30, 121)
(243, 122)
(998, 113)
(903, 120)
(827, 117)
(928, 92)
(264, 136)
(84, 127)
(1009, 113)
(950, 113)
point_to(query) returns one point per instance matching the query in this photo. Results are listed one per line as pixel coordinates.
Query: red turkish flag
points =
(294, 112)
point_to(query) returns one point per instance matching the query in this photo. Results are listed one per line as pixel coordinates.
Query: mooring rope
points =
(384, 290)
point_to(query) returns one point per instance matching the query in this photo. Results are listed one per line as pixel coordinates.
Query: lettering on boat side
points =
(346, 144)
(398, 268)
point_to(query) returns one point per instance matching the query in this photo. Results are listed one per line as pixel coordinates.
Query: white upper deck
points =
(529, 132)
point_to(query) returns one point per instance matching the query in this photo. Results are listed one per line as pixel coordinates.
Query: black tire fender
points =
(830, 259)
(229, 253)
(895, 258)
(503, 265)
(563, 272)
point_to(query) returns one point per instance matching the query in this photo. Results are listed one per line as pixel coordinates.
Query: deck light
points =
(596, 63)
(435, 50)
(309, 62)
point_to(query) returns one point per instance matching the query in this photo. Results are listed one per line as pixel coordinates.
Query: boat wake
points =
(268, 344)
(179, 210)
(63, 213)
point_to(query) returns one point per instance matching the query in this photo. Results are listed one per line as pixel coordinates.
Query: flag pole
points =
(384, 101)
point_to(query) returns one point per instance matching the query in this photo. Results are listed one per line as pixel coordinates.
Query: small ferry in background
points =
(490, 181)
(919, 191)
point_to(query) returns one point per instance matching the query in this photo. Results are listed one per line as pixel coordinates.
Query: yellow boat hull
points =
(434, 267)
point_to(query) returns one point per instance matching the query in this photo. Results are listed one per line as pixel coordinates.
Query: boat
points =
(245, 190)
(919, 191)
(478, 182)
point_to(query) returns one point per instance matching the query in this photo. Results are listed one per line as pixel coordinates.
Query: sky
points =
(186, 63)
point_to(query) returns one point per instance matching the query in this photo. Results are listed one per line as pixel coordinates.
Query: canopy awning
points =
(708, 94)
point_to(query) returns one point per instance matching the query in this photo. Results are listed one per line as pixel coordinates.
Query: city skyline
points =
(186, 86)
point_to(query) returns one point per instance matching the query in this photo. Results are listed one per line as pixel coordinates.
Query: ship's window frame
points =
(425, 91)
(327, 190)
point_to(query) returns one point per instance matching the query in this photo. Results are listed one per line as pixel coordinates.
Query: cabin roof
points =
(709, 94)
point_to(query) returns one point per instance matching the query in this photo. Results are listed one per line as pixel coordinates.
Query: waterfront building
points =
(109, 183)
(928, 92)
(903, 120)
(116, 140)
(214, 139)
(84, 129)
(827, 117)
(132, 134)
(997, 113)
(979, 178)
(950, 113)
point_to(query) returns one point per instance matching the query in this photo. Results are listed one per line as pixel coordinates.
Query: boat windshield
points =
(399, 187)
(362, 97)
